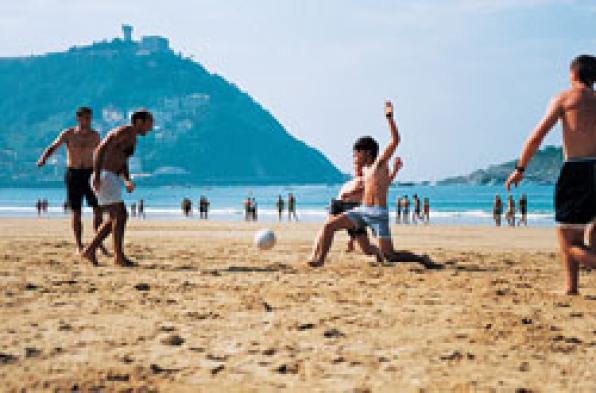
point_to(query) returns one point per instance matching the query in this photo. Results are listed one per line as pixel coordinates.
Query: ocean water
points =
(450, 205)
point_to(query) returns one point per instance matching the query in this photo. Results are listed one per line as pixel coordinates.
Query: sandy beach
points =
(206, 311)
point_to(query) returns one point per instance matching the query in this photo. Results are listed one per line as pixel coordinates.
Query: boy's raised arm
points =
(397, 165)
(390, 149)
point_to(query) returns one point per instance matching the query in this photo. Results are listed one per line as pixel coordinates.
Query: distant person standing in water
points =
(398, 208)
(110, 170)
(497, 210)
(292, 207)
(426, 210)
(133, 209)
(523, 210)
(280, 207)
(80, 142)
(575, 192)
(38, 207)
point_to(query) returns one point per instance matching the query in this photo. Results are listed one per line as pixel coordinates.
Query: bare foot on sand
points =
(124, 262)
(312, 263)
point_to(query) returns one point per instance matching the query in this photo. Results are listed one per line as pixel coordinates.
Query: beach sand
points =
(206, 311)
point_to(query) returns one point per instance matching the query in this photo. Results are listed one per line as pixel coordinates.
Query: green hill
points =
(207, 130)
(543, 168)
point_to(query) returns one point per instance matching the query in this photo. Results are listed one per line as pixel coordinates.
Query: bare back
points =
(578, 118)
(80, 145)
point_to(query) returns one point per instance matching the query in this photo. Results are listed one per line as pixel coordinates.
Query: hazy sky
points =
(469, 79)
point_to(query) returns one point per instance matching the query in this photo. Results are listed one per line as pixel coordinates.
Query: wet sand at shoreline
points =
(206, 311)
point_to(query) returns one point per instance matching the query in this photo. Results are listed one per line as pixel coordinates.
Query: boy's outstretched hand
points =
(388, 109)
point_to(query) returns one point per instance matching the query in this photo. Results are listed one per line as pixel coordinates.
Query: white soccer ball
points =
(265, 239)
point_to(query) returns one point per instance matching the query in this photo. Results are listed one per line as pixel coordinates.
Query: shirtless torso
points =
(118, 146)
(377, 180)
(80, 144)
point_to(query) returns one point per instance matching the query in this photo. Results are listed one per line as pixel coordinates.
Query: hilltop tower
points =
(127, 33)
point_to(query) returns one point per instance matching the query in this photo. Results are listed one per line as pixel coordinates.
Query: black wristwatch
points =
(520, 168)
(389, 115)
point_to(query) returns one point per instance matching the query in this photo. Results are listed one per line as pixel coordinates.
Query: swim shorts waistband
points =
(581, 159)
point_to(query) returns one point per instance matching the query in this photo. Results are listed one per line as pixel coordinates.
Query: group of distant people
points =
(510, 213)
(203, 207)
(280, 206)
(420, 211)
(250, 209)
(41, 206)
(138, 209)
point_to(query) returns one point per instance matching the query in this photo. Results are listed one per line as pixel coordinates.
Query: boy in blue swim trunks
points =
(373, 211)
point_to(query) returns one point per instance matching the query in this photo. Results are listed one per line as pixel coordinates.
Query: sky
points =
(469, 78)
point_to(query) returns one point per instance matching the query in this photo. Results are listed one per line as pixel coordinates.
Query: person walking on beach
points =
(523, 210)
(141, 209)
(510, 214)
(203, 207)
(406, 203)
(80, 142)
(416, 212)
(110, 169)
(292, 207)
(497, 210)
(254, 207)
(38, 207)
(133, 209)
(186, 207)
(398, 210)
(426, 211)
(575, 192)
(280, 207)
(373, 212)
(247, 209)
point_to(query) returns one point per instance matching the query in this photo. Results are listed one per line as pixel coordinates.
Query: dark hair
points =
(367, 143)
(141, 114)
(84, 110)
(585, 66)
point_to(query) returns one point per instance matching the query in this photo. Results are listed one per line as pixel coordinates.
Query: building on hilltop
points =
(154, 43)
(127, 33)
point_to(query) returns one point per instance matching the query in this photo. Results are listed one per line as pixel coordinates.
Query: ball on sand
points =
(265, 239)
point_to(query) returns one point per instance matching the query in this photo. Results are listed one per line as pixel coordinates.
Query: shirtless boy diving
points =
(80, 142)
(373, 212)
(110, 170)
(350, 196)
(575, 192)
